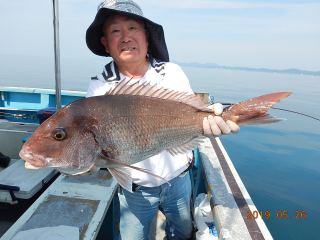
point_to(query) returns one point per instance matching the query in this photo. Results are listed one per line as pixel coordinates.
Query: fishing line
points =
(296, 113)
(283, 110)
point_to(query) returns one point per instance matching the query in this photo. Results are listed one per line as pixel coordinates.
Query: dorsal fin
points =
(149, 90)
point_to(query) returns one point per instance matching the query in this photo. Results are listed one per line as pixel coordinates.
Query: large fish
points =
(127, 125)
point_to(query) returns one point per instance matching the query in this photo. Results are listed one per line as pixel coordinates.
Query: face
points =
(125, 39)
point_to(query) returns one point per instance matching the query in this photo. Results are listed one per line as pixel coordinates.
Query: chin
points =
(131, 57)
(128, 60)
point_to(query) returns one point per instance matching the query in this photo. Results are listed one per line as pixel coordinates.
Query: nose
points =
(126, 35)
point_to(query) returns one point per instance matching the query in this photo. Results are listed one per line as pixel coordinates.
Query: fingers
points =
(216, 126)
(234, 127)
(225, 129)
(210, 127)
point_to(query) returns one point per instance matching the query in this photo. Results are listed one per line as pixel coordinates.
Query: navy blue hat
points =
(157, 44)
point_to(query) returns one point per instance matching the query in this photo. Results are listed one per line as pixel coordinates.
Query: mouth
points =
(30, 166)
(33, 161)
(128, 49)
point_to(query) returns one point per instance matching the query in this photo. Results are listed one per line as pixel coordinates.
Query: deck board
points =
(79, 202)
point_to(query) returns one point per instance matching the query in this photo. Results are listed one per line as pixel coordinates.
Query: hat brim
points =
(157, 45)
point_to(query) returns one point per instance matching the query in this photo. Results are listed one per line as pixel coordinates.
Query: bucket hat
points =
(157, 44)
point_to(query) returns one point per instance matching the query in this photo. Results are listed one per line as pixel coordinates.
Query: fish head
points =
(66, 141)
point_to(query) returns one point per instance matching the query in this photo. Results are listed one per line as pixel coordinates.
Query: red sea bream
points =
(127, 125)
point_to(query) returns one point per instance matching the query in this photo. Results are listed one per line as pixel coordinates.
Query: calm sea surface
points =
(278, 163)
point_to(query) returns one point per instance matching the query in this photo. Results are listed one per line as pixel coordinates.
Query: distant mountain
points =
(216, 66)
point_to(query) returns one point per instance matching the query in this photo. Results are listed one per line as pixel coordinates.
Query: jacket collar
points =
(111, 71)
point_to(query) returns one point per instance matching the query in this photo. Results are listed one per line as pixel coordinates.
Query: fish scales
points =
(142, 126)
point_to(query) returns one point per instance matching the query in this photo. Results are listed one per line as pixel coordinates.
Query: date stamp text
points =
(279, 215)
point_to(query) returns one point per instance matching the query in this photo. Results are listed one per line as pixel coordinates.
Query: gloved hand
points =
(216, 126)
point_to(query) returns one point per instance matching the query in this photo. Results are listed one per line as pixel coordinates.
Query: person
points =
(139, 52)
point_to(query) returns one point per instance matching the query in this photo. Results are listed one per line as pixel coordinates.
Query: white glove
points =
(216, 126)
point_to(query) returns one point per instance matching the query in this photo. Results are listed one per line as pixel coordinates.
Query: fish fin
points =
(129, 166)
(123, 177)
(187, 146)
(253, 111)
(261, 120)
(149, 90)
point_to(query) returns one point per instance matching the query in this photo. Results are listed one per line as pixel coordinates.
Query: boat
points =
(57, 200)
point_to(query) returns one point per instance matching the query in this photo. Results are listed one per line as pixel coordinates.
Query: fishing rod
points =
(283, 110)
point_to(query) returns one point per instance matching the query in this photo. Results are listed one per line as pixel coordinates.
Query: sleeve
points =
(185, 84)
(177, 78)
(97, 88)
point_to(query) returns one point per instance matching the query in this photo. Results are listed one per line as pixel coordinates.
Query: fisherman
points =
(139, 52)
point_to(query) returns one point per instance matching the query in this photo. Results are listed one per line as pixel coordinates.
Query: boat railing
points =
(20, 104)
(229, 200)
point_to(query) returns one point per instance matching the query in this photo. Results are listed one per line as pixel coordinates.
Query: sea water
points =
(278, 163)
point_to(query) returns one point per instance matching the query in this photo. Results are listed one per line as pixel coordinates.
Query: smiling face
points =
(125, 38)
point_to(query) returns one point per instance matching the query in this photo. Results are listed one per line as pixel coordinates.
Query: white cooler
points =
(17, 182)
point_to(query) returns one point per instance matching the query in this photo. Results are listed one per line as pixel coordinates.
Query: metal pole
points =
(57, 53)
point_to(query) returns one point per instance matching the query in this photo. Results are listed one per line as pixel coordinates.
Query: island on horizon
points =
(216, 66)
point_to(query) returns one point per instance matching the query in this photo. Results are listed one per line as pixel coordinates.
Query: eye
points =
(59, 134)
(115, 32)
(134, 29)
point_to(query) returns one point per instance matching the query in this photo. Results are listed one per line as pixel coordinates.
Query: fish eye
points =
(59, 134)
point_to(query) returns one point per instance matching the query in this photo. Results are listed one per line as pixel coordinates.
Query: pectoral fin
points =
(186, 147)
(104, 155)
(123, 177)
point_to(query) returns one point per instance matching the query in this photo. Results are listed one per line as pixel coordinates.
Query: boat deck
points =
(79, 202)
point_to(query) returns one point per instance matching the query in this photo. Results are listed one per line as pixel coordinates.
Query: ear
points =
(105, 44)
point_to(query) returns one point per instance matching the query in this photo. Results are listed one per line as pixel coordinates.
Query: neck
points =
(136, 70)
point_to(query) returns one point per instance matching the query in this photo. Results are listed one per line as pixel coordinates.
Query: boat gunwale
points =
(231, 198)
(42, 91)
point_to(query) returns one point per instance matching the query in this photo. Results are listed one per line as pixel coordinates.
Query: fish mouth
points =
(30, 166)
(33, 161)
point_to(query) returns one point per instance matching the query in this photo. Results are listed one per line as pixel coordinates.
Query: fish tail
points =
(253, 111)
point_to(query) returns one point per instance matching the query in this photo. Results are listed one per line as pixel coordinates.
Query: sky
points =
(271, 34)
